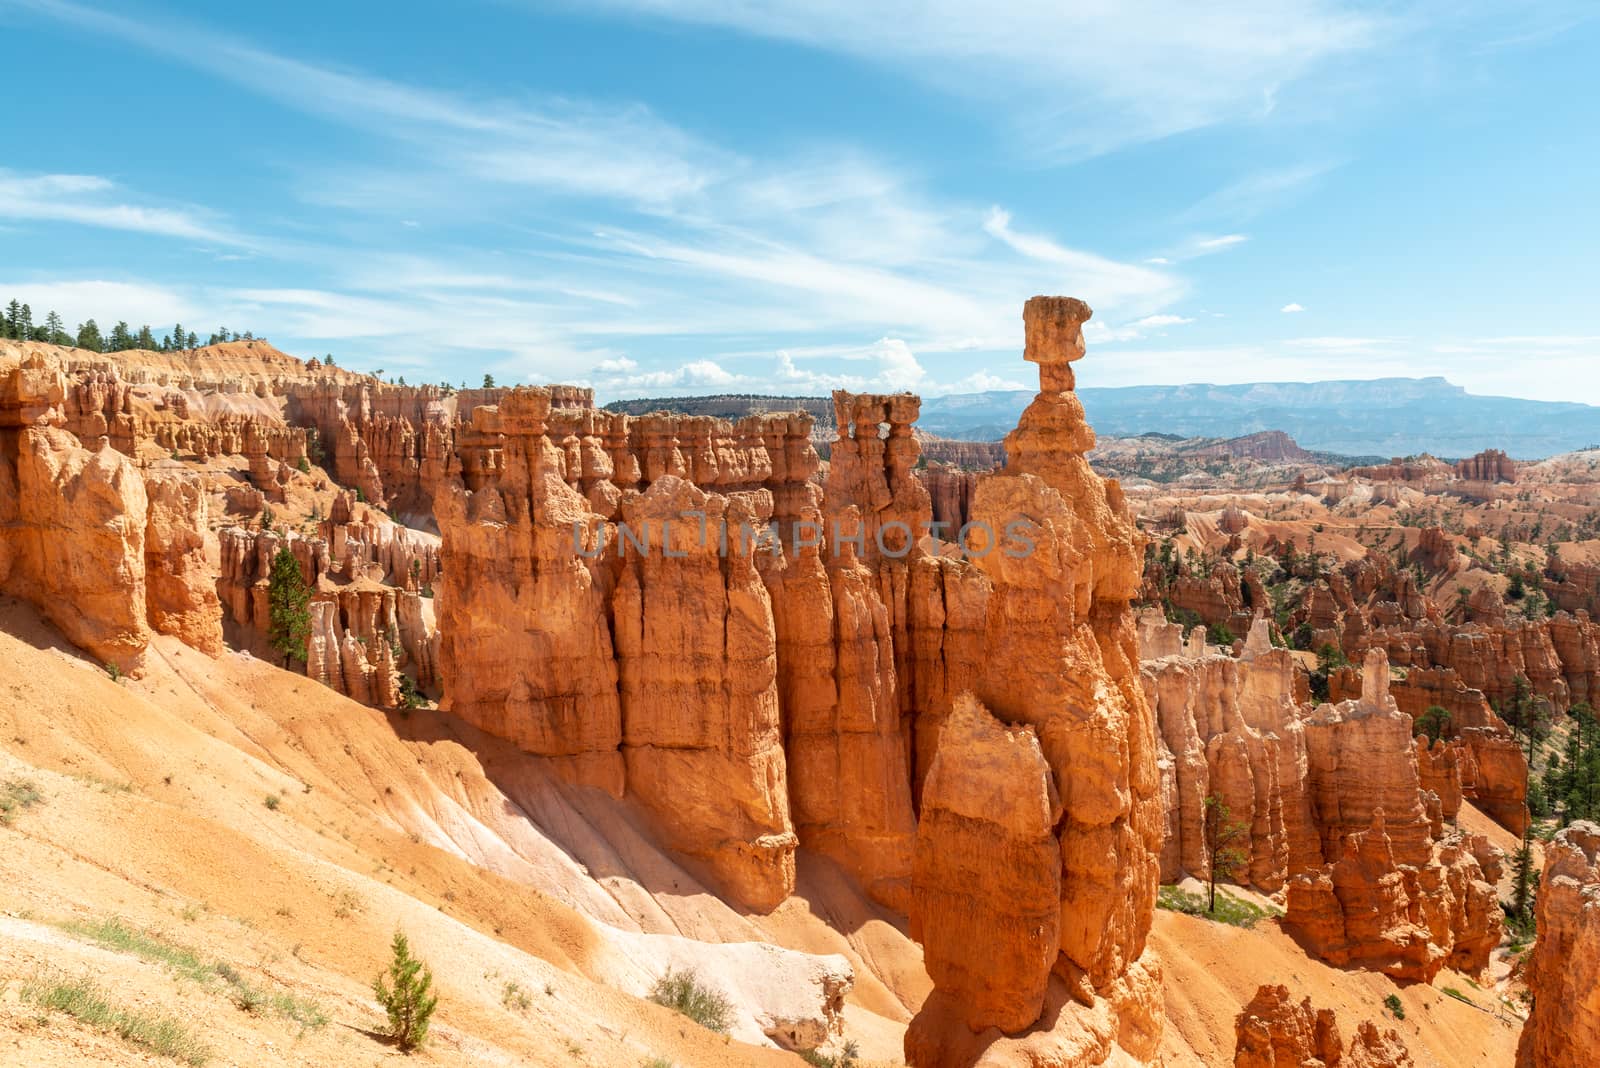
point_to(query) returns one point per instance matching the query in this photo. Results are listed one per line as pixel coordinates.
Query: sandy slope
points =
(155, 811)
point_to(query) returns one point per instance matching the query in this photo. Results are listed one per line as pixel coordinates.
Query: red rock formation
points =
(951, 493)
(697, 659)
(989, 805)
(1232, 728)
(1490, 465)
(1563, 1029)
(975, 456)
(527, 647)
(1494, 775)
(1273, 1032)
(1059, 655)
(72, 519)
(1272, 446)
(180, 586)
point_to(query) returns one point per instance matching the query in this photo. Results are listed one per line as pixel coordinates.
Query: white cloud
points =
(621, 365)
(1216, 244)
(898, 366)
(107, 302)
(1153, 321)
(89, 200)
(983, 382)
(1292, 308)
(695, 374)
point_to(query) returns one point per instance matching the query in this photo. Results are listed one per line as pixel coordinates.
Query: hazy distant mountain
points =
(1385, 416)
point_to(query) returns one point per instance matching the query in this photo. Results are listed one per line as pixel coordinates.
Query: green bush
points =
(1392, 1003)
(683, 992)
(404, 994)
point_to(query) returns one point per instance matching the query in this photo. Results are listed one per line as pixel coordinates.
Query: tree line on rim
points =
(16, 324)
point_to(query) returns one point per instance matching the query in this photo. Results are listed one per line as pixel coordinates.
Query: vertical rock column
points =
(696, 647)
(1059, 657)
(526, 650)
(1563, 1031)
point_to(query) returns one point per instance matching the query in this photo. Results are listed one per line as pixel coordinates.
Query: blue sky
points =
(682, 196)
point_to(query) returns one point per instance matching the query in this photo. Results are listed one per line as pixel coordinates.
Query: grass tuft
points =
(682, 991)
(112, 933)
(1234, 911)
(84, 1001)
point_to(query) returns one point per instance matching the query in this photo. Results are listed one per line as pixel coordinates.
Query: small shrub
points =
(657, 1062)
(682, 991)
(404, 994)
(113, 672)
(15, 796)
(347, 904)
(273, 801)
(845, 1058)
(1452, 992)
(1392, 1003)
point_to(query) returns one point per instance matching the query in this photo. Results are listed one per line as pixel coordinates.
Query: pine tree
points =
(53, 328)
(488, 381)
(145, 340)
(288, 601)
(193, 342)
(13, 318)
(1224, 858)
(1523, 883)
(178, 337)
(89, 336)
(405, 994)
(121, 338)
(24, 324)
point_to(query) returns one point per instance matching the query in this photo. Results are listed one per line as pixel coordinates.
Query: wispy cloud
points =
(1096, 277)
(1132, 71)
(1291, 308)
(91, 200)
(570, 147)
(1258, 192)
